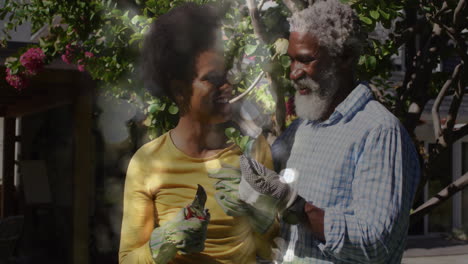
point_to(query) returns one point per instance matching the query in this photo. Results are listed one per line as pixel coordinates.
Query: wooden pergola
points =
(55, 86)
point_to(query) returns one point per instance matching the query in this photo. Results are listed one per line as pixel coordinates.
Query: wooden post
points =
(8, 192)
(83, 172)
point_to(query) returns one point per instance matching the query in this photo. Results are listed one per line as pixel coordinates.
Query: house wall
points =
(22, 33)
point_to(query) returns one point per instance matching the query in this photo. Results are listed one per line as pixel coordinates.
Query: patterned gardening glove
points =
(186, 233)
(263, 189)
(227, 196)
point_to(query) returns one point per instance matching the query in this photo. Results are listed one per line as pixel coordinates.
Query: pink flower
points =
(15, 80)
(250, 58)
(33, 60)
(88, 54)
(68, 56)
(81, 66)
(290, 107)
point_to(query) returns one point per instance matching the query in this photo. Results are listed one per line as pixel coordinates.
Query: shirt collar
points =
(358, 97)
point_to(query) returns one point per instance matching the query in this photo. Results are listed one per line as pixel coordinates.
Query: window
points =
(440, 218)
(464, 193)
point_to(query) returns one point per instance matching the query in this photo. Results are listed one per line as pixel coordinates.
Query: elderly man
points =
(352, 169)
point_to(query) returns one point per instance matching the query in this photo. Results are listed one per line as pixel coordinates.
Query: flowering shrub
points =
(81, 66)
(33, 60)
(29, 64)
(71, 53)
(68, 56)
(18, 81)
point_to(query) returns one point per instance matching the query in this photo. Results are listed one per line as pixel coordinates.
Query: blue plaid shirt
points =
(360, 166)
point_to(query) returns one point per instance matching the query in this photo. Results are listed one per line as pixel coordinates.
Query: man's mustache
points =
(306, 83)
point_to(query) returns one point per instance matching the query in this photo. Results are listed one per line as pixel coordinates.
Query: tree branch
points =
(440, 197)
(459, 42)
(258, 26)
(463, 131)
(435, 108)
(458, 12)
(261, 5)
(279, 119)
(410, 32)
(294, 5)
(442, 9)
(456, 100)
(420, 77)
(251, 87)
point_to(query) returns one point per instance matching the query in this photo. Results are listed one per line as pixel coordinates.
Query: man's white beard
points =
(314, 105)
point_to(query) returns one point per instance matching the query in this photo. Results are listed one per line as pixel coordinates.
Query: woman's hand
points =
(228, 198)
(227, 188)
(185, 233)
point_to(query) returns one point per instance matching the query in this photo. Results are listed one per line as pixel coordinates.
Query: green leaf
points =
(371, 62)
(250, 49)
(243, 142)
(366, 20)
(229, 132)
(173, 109)
(14, 71)
(236, 133)
(244, 25)
(100, 40)
(152, 108)
(145, 29)
(135, 37)
(11, 60)
(156, 107)
(285, 61)
(362, 60)
(384, 14)
(374, 14)
(139, 19)
(134, 20)
(281, 46)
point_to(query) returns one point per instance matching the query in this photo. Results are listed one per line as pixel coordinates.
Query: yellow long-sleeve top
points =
(161, 180)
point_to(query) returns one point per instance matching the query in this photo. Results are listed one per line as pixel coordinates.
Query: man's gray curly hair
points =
(334, 24)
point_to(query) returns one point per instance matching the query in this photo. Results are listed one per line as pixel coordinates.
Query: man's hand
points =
(263, 188)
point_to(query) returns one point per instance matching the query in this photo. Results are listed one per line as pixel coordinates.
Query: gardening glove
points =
(227, 196)
(185, 233)
(263, 188)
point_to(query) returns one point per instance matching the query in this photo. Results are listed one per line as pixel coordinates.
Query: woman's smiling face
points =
(210, 89)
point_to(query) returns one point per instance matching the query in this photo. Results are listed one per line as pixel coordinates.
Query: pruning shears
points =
(197, 207)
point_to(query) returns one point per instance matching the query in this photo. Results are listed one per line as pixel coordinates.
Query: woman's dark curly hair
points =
(171, 47)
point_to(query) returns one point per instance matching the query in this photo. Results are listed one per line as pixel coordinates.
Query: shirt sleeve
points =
(281, 148)
(376, 222)
(138, 216)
